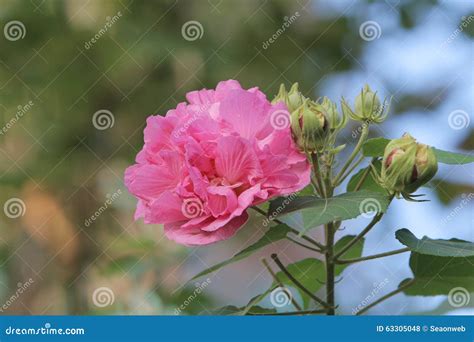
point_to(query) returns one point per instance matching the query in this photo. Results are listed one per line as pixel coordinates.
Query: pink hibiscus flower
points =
(209, 160)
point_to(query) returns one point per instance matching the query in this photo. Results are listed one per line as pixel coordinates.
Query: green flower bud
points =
(329, 108)
(368, 107)
(293, 99)
(309, 127)
(407, 165)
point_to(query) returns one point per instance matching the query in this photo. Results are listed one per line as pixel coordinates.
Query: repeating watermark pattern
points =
(103, 296)
(183, 128)
(280, 119)
(373, 294)
(274, 214)
(458, 119)
(192, 207)
(14, 30)
(370, 30)
(466, 198)
(103, 119)
(22, 287)
(110, 21)
(192, 30)
(465, 22)
(14, 208)
(358, 130)
(197, 291)
(369, 207)
(458, 297)
(21, 110)
(281, 297)
(288, 21)
(111, 198)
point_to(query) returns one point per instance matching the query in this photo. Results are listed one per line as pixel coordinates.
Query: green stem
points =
(317, 173)
(294, 231)
(297, 283)
(388, 295)
(303, 245)
(353, 167)
(364, 175)
(360, 236)
(330, 267)
(363, 136)
(370, 257)
(280, 284)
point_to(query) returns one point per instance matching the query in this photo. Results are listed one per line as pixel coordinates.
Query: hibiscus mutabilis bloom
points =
(207, 161)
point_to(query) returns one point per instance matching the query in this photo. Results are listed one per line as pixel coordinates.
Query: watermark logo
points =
(14, 208)
(192, 30)
(103, 296)
(377, 287)
(192, 207)
(110, 21)
(369, 207)
(458, 119)
(280, 297)
(197, 291)
(458, 297)
(288, 21)
(14, 30)
(103, 119)
(21, 110)
(370, 30)
(21, 288)
(108, 202)
(280, 119)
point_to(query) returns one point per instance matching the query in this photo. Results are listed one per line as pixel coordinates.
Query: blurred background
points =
(79, 78)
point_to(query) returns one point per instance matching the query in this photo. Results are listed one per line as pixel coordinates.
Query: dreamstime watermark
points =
(103, 119)
(103, 296)
(183, 128)
(192, 30)
(459, 119)
(192, 207)
(14, 30)
(367, 300)
(21, 110)
(370, 30)
(288, 21)
(110, 21)
(14, 208)
(459, 297)
(280, 119)
(466, 198)
(108, 202)
(369, 207)
(197, 291)
(274, 214)
(465, 22)
(280, 297)
(22, 287)
(46, 330)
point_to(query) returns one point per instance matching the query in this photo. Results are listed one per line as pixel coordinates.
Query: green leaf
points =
(453, 158)
(274, 234)
(438, 266)
(311, 273)
(317, 211)
(375, 148)
(369, 183)
(443, 248)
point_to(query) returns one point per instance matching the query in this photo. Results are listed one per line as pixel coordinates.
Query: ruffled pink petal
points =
(196, 236)
(235, 160)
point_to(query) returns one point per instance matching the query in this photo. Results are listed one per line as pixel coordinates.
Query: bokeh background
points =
(64, 165)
